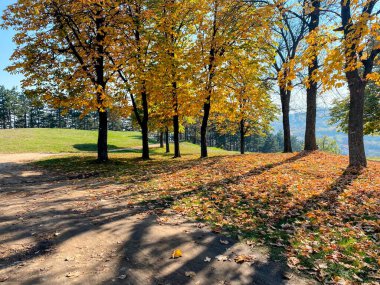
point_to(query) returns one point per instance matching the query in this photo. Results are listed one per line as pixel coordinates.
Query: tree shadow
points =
(137, 249)
(92, 147)
(328, 199)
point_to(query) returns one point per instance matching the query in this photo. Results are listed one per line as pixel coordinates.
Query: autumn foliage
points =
(171, 62)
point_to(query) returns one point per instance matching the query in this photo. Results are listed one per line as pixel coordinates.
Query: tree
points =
(224, 27)
(62, 48)
(290, 30)
(354, 53)
(339, 113)
(8, 101)
(328, 144)
(311, 82)
(135, 61)
(357, 30)
(246, 106)
(175, 23)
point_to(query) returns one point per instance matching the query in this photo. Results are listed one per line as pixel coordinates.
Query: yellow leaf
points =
(176, 253)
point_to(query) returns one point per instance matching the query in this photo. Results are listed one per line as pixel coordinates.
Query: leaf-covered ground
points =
(319, 216)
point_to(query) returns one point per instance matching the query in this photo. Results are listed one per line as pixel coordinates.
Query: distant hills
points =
(297, 125)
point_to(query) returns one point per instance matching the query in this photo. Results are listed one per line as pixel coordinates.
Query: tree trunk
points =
(167, 140)
(355, 122)
(356, 87)
(311, 92)
(206, 114)
(285, 100)
(145, 139)
(175, 117)
(100, 82)
(102, 137)
(242, 137)
(176, 136)
(161, 139)
(144, 124)
(311, 115)
(195, 135)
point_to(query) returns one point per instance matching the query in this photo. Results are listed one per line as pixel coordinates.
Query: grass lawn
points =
(62, 140)
(308, 208)
(374, 158)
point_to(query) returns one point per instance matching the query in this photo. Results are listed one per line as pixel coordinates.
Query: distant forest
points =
(18, 111)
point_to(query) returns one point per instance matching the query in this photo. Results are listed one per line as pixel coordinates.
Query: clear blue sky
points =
(6, 50)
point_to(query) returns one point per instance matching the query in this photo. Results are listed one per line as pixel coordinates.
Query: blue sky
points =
(6, 49)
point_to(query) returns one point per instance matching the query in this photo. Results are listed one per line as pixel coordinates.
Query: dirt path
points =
(59, 231)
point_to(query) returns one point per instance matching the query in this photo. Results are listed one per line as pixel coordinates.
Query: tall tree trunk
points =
(102, 136)
(242, 137)
(285, 101)
(206, 114)
(167, 140)
(207, 104)
(355, 121)
(356, 87)
(175, 119)
(311, 92)
(176, 136)
(144, 125)
(100, 82)
(145, 139)
(161, 139)
(311, 115)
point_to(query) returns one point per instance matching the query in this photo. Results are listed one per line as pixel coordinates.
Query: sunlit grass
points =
(62, 140)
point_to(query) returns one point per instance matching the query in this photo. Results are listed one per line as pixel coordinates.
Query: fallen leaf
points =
(221, 257)
(216, 230)
(243, 258)
(293, 261)
(190, 274)
(176, 253)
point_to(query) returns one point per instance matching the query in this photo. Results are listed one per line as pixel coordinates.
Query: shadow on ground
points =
(122, 231)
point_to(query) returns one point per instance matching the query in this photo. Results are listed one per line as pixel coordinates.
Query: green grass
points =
(127, 160)
(62, 140)
(374, 158)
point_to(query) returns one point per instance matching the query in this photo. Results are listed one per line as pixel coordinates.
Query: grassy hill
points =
(61, 140)
(74, 141)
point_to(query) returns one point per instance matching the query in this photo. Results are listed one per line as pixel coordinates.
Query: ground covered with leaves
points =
(308, 207)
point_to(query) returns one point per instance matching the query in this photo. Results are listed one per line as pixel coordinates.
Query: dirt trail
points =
(59, 231)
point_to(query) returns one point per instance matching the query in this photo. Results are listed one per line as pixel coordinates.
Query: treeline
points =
(19, 111)
(267, 143)
(170, 63)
